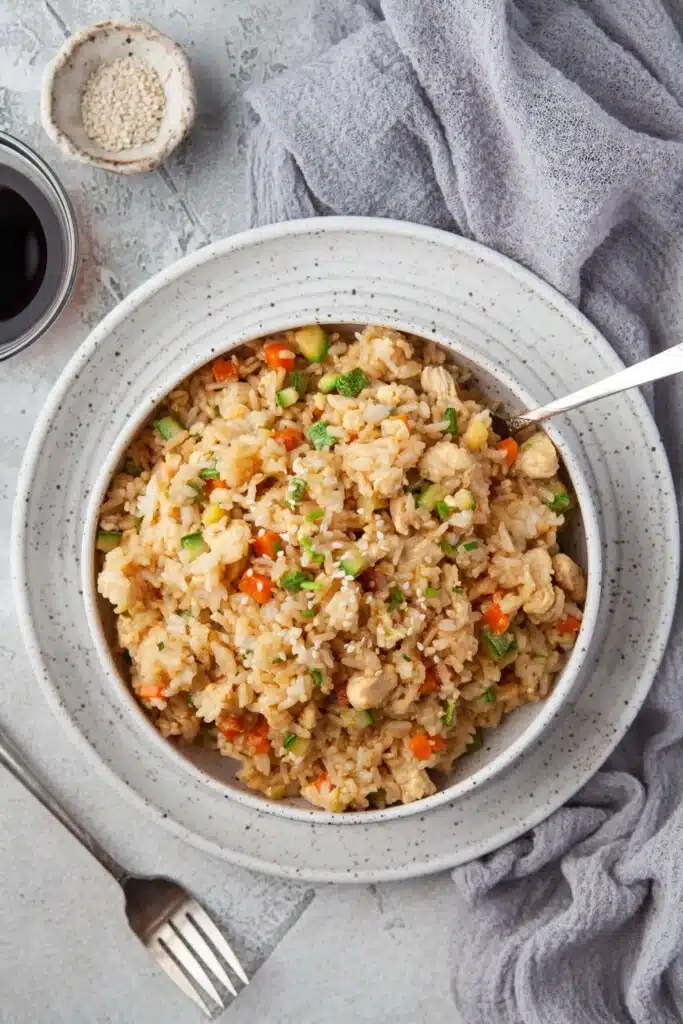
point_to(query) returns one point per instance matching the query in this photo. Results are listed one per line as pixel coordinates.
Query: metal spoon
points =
(655, 368)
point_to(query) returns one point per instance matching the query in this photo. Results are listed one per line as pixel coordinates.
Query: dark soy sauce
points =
(31, 254)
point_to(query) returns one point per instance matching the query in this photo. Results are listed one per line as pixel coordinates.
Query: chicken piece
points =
(537, 593)
(446, 461)
(371, 689)
(570, 577)
(439, 383)
(538, 458)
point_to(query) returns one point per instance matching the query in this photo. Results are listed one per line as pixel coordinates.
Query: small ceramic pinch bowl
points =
(66, 78)
(517, 733)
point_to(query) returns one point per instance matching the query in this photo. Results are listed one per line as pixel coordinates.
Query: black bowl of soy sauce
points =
(38, 247)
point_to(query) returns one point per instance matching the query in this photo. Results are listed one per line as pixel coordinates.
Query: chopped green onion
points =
(458, 590)
(185, 613)
(107, 540)
(476, 742)
(431, 592)
(539, 655)
(313, 343)
(405, 657)
(561, 502)
(298, 381)
(209, 474)
(190, 701)
(294, 580)
(448, 549)
(198, 487)
(315, 515)
(470, 545)
(308, 613)
(369, 717)
(131, 468)
(396, 598)
(279, 660)
(138, 523)
(289, 740)
(393, 410)
(431, 496)
(194, 543)
(352, 383)
(312, 585)
(168, 427)
(320, 437)
(328, 383)
(307, 545)
(161, 645)
(498, 646)
(448, 712)
(297, 489)
(352, 563)
(317, 677)
(488, 696)
(451, 417)
(443, 510)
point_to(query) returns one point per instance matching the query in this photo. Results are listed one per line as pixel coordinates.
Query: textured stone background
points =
(333, 955)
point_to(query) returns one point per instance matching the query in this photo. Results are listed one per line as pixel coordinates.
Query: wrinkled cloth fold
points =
(552, 131)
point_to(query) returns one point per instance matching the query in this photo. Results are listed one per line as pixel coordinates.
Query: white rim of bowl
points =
(565, 682)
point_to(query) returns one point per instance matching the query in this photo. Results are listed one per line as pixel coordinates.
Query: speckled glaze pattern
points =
(353, 270)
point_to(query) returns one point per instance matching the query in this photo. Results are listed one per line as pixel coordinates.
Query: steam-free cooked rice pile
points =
(328, 566)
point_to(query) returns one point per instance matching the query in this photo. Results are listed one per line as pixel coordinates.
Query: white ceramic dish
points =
(346, 270)
(66, 77)
(501, 747)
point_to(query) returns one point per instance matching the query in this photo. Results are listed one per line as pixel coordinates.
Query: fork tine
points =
(176, 975)
(200, 917)
(196, 941)
(188, 960)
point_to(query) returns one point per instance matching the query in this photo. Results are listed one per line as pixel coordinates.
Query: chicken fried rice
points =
(324, 562)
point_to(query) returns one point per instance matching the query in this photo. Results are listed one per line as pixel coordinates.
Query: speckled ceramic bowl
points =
(66, 77)
(503, 745)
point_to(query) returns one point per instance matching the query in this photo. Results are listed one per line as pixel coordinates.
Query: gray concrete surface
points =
(374, 954)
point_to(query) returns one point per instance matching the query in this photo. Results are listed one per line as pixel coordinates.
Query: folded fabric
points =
(552, 131)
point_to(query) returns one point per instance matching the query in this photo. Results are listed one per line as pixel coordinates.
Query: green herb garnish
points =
(352, 383)
(470, 545)
(307, 545)
(278, 661)
(209, 474)
(297, 489)
(190, 702)
(488, 696)
(138, 523)
(443, 510)
(498, 646)
(312, 585)
(161, 645)
(320, 437)
(396, 598)
(431, 592)
(458, 590)
(317, 677)
(561, 502)
(405, 657)
(451, 418)
(294, 580)
(448, 712)
(308, 613)
(448, 549)
(315, 515)
(289, 740)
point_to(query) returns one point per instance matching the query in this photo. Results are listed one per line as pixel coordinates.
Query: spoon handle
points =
(662, 365)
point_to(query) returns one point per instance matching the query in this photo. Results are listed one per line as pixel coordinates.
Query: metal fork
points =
(167, 920)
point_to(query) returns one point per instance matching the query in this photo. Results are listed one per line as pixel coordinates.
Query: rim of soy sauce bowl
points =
(25, 161)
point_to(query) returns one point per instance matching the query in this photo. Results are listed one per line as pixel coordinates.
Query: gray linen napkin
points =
(550, 130)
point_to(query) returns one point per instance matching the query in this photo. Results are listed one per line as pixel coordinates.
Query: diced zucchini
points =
(352, 563)
(287, 397)
(107, 540)
(429, 497)
(313, 343)
(296, 745)
(194, 543)
(297, 380)
(328, 383)
(168, 428)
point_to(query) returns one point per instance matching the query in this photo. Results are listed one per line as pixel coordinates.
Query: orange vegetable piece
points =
(212, 485)
(321, 780)
(496, 619)
(290, 437)
(423, 746)
(230, 726)
(258, 738)
(403, 417)
(569, 626)
(267, 543)
(151, 691)
(279, 356)
(511, 449)
(437, 743)
(224, 369)
(256, 585)
(430, 684)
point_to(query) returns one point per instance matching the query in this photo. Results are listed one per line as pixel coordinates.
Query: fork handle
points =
(14, 763)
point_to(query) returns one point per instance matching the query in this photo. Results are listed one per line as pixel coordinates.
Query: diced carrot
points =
(437, 743)
(496, 619)
(256, 585)
(212, 485)
(230, 726)
(151, 691)
(279, 356)
(511, 449)
(341, 695)
(420, 747)
(268, 543)
(430, 684)
(321, 780)
(403, 417)
(257, 738)
(290, 437)
(569, 626)
(224, 369)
